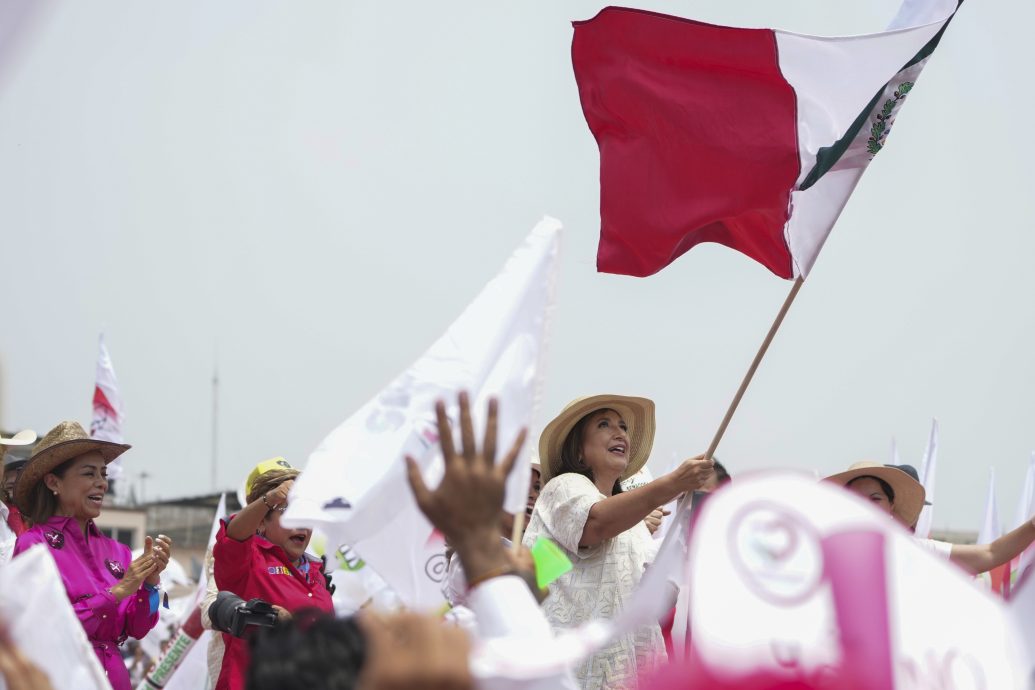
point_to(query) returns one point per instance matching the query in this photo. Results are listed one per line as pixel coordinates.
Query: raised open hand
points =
(468, 501)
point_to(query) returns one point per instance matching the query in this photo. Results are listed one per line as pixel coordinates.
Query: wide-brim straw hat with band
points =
(64, 442)
(909, 493)
(638, 414)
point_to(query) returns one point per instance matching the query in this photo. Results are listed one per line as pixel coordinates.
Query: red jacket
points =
(258, 569)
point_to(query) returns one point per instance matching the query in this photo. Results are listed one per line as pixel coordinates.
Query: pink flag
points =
(108, 411)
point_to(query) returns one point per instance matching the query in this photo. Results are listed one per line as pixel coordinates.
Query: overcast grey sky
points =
(308, 193)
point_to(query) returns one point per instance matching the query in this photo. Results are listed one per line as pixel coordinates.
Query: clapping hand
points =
(161, 549)
(140, 568)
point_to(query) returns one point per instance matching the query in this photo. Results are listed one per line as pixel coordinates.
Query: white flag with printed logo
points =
(108, 411)
(354, 487)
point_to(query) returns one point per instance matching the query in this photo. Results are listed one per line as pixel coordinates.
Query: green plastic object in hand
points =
(550, 562)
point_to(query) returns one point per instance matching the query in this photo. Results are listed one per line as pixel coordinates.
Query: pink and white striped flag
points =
(108, 410)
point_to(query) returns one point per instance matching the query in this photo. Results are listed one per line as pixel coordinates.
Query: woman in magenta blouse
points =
(61, 491)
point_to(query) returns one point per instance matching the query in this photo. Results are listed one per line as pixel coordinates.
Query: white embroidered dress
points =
(602, 580)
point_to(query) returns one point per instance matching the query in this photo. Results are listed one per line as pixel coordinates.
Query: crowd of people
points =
(587, 494)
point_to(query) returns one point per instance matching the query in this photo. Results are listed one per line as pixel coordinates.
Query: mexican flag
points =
(752, 138)
(108, 410)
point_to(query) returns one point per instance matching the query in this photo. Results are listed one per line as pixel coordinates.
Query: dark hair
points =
(42, 503)
(312, 650)
(571, 452)
(885, 487)
(722, 476)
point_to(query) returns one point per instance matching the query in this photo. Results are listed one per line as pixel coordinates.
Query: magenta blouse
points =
(89, 567)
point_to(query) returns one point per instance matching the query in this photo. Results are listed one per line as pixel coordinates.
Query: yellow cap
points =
(263, 467)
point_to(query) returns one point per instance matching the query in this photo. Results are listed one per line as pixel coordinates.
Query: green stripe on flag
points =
(828, 156)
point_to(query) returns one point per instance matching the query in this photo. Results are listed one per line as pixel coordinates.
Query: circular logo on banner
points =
(436, 566)
(777, 553)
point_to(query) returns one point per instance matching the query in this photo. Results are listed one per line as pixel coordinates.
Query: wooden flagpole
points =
(679, 632)
(754, 366)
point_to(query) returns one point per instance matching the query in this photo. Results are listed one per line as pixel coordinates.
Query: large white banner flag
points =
(828, 582)
(1022, 611)
(108, 411)
(928, 467)
(35, 610)
(354, 486)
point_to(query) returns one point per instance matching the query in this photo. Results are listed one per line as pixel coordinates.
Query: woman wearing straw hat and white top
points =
(585, 452)
(61, 491)
(896, 492)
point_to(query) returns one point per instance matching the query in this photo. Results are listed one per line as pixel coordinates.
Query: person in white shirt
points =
(894, 491)
(11, 523)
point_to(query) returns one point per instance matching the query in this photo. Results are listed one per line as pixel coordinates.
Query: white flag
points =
(108, 411)
(800, 559)
(1025, 512)
(927, 474)
(35, 610)
(354, 487)
(991, 529)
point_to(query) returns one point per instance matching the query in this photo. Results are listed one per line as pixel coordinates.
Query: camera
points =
(231, 614)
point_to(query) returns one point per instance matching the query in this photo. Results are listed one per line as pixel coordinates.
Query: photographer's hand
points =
(283, 615)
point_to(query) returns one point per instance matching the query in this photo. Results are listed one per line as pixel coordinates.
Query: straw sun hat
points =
(909, 493)
(638, 414)
(64, 442)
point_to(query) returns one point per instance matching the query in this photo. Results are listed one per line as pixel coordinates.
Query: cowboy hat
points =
(22, 438)
(638, 414)
(909, 493)
(64, 442)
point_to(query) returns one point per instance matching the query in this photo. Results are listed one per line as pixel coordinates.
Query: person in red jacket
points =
(258, 558)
